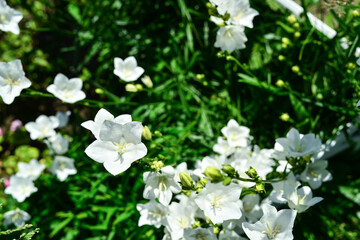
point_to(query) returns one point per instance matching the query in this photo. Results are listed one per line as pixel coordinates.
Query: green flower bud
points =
(286, 41)
(291, 19)
(297, 34)
(228, 169)
(213, 174)
(296, 25)
(227, 181)
(200, 76)
(130, 87)
(196, 224)
(146, 133)
(285, 117)
(281, 58)
(280, 83)
(295, 69)
(260, 187)
(201, 183)
(157, 165)
(99, 91)
(355, 13)
(186, 180)
(158, 133)
(139, 87)
(216, 229)
(251, 172)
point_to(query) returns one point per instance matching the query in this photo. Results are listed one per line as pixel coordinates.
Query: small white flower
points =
(62, 167)
(218, 21)
(300, 199)
(118, 147)
(298, 145)
(17, 217)
(63, 118)
(127, 69)
(223, 148)
(152, 213)
(251, 207)
(42, 127)
(161, 185)
(220, 202)
(273, 224)
(357, 52)
(230, 38)
(9, 18)
(242, 14)
(277, 194)
(315, 173)
(67, 90)
(12, 80)
(199, 233)
(58, 144)
(100, 117)
(230, 235)
(20, 188)
(31, 170)
(236, 135)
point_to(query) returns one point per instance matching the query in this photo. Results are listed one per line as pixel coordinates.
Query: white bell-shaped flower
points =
(230, 38)
(42, 127)
(12, 79)
(20, 188)
(17, 217)
(127, 69)
(32, 170)
(9, 18)
(67, 90)
(62, 167)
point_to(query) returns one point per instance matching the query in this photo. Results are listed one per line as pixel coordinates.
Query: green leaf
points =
(74, 11)
(351, 193)
(299, 108)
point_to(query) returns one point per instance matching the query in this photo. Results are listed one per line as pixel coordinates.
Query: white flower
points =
(152, 213)
(31, 170)
(251, 207)
(161, 185)
(236, 135)
(20, 188)
(213, 161)
(63, 118)
(62, 167)
(118, 147)
(67, 90)
(230, 235)
(127, 69)
(100, 117)
(315, 173)
(300, 199)
(42, 127)
(9, 18)
(242, 14)
(358, 63)
(298, 145)
(218, 21)
(273, 224)
(277, 194)
(223, 148)
(58, 144)
(179, 218)
(17, 217)
(230, 38)
(199, 233)
(12, 80)
(219, 202)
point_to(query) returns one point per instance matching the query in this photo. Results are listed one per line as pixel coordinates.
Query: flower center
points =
(3, 18)
(16, 216)
(312, 172)
(162, 185)
(215, 202)
(228, 33)
(10, 81)
(122, 146)
(271, 233)
(239, 15)
(183, 222)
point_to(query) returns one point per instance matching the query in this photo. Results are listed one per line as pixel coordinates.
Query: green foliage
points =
(195, 93)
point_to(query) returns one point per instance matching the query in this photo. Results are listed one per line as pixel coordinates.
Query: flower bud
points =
(296, 25)
(260, 187)
(228, 169)
(213, 174)
(285, 117)
(351, 66)
(281, 58)
(202, 182)
(186, 180)
(99, 91)
(15, 125)
(227, 181)
(291, 19)
(295, 69)
(280, 83)
(158, 133)
(220, 54)
(251, 172)
(286, 41)
(130, 87)
(139, 87)
(297, 34)
(146, 133)
(200, 76)
(355, 13)
(1, 132)
(157, 165)
(216, 229)
(196, 224)
(146, 80)
(307, 158)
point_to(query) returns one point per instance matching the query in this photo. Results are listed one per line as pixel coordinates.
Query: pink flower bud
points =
(15, 125)
(7, 182)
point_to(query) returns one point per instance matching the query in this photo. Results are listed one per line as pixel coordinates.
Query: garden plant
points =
(175, 119)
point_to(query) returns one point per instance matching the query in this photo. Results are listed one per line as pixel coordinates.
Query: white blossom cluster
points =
(118, 141)
(236, 15)
(44, 129)
(207, 202)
